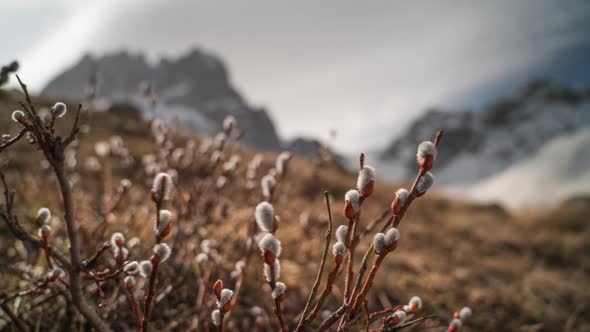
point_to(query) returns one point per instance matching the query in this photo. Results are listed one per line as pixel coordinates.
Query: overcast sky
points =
(365, 68)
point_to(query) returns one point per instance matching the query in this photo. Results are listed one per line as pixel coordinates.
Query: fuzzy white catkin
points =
(229, 123)
(279, 289)
(226, 295)
(17, 115)
(417, 301)
(271, 243)
(102, 149)
(424, 182)
(145, 268)
(124, 252)
(267, 183)
(43, 215)
(129, 281)
(401, 315)
(276, 270)
(341, 233)
(339, 249)
(219, 140)
(256, 310)
(206, 246)
(402, 194)
(215, 157)
(464, 314)
(456, 322)
(45, 229)
(205, 145)
(426, 148)
(59, 109)
(117, 237)
(353, 196)
(379, 243)
(163, 251)
(281, 162)
(55, 273)
(131, 268)
(366, 175)
(391, 236)
(240, 265)
(202, 259)
(216, 317)
(162, 186)
(125, 184)
(264, 215)
(165, 219)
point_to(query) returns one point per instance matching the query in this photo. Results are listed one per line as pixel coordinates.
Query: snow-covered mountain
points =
(481, 144)
(193, 91)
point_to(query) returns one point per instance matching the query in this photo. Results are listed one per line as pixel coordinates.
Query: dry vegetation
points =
(525, 271)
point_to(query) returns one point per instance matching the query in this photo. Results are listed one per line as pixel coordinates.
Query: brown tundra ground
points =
(523, 270)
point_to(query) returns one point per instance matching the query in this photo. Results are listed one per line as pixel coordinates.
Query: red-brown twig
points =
(279, 313)
(148, 300)
(405, 324)
(316, 285)
(333, 318)
(385, 311)
(20, 324)
(350, 258)
(327, 290)
(134, 306)
(53, 150)
(151, 290)
(366, 285)
(89, 263)
(277, 304)
(394, 221)
(15, 139)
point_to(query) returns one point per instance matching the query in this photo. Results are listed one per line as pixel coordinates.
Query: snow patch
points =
(558, 171)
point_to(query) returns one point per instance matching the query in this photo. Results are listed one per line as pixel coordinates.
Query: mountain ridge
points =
(194, 90)
(481, 144)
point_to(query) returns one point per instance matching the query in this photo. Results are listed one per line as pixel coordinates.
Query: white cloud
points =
(365, 69)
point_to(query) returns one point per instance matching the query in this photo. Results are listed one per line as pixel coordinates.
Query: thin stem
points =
(277, 304)
(350, 258)
(14, 139)
(279, 313)
(221, 319)
(89, 263)
(367, 317)
(134, 306)
(248, 253)
(366, 285)
(149, 297)
(333, 318)
(327, 290)
(148, 301)
(316, 285)
(20, 325)
(72, 230)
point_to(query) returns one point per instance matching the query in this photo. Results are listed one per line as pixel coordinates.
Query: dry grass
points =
(523, 271)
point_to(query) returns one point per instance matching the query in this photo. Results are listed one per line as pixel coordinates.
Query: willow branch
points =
(15, 139)
(20, 325)
(318, 279)
(333, 318)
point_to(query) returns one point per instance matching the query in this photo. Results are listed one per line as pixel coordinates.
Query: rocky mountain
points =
(484, 143)
(194, 91)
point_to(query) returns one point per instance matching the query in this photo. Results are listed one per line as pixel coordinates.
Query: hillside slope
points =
(519, 271)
